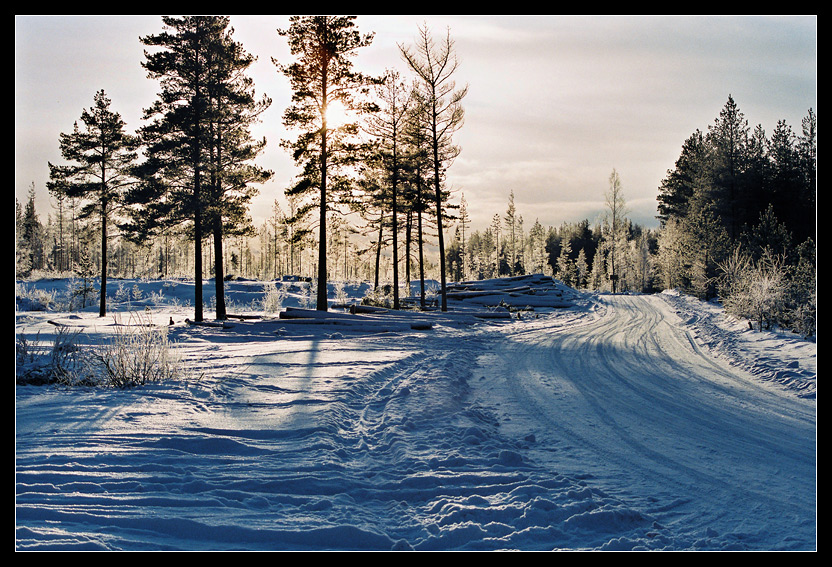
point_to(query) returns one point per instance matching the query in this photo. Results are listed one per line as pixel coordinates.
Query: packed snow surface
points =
(591, 422)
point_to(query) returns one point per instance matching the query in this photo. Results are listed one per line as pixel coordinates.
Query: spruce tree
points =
(29, 233)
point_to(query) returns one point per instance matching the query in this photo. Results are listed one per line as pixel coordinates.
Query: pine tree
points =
(101, 156)
(807, 149)
(417, 176)
(497, 248)
(176, 174)
(233, 109)
(728, 141)
(321, 76)
(685, 180)
(61, 249)
(32, 233)
(598, 273)
(803, 290)
(29, 236)
(512, 224)
(581, 270)
(454, 257)
(566, 266)
(388, 126)
(464, 223)
(706, 244)
(199, 171)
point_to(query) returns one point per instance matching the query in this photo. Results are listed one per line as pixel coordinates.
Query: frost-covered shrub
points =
(733, 283)
(340, 290)
(82, 290)
(753, 290)
(803, 291)
(63, 362)
(308, 298)
(139, 353)
(379, 297)
(29, 298)
(274, 298)
(767, 291)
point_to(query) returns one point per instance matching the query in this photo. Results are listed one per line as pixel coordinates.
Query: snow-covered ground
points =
(614, 422)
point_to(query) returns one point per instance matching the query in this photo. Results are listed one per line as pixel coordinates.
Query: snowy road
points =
(630, 401)
(616, 424)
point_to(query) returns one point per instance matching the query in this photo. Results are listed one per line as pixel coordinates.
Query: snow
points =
(571, 421)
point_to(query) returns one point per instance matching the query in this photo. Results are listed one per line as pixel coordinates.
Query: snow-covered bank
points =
(607, 424)
(779, 357)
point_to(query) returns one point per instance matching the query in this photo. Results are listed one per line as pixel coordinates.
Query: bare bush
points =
(139, 353)
(65, 362)
(755, 290)
(274, 298)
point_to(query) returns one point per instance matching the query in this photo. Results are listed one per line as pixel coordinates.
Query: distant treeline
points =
(737, 220)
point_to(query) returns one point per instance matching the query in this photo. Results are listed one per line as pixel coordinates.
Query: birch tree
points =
(614, 225)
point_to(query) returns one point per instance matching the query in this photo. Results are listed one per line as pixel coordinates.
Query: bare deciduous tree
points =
(434, 65)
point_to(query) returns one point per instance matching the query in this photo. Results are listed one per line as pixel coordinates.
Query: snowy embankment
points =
(774, 356)
(548, 419)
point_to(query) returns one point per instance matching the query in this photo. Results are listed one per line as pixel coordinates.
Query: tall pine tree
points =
(199, 171)
(728, 141)
(175, 172)
(388, 126)
(232, 110)
(321, 77)
(101, 156)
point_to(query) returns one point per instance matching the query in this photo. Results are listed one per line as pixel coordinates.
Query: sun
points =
(336, 114)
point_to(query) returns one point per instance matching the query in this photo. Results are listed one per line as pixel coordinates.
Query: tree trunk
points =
(219, 270)
(322, 269)
(421, 264)
(395, 243)
(378, 247)
(438, 188)
(102, 306)
(407, 241)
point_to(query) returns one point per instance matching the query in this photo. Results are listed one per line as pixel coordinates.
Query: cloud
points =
(554, 102)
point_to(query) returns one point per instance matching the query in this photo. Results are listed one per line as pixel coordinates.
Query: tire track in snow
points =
(629, 400)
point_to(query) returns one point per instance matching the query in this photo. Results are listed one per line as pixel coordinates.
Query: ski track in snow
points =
(610, 426)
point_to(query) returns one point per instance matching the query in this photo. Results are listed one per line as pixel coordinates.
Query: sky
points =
(554, 103)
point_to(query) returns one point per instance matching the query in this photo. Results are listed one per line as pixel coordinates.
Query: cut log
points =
(215, 324)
